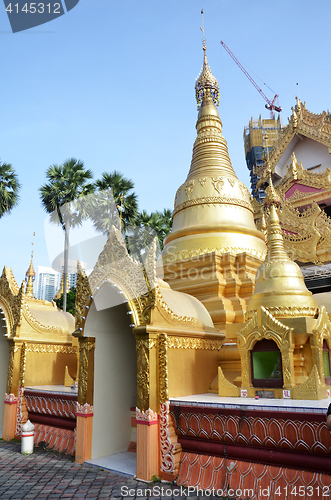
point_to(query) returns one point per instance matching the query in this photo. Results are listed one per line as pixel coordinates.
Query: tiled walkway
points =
(45, 475)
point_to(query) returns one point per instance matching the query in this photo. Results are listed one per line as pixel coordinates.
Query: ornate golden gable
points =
(306, 231)
(302, 121)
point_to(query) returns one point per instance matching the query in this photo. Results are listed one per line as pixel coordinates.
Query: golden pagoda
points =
(214, 248)
(284, 345)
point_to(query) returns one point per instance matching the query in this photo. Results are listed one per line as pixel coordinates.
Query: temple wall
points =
(191, 371)
(48, 368)
(4, 358)
(324, 299)
(310, 153)
(115, 372)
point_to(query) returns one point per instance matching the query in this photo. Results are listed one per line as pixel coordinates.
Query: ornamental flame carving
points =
(306, 228)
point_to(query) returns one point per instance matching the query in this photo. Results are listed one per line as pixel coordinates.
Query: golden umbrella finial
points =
(272, 197)
(206, 85)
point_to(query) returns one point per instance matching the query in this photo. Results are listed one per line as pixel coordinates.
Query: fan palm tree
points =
(147, 227)
(66, 183)
(114, 198)
(9, 188)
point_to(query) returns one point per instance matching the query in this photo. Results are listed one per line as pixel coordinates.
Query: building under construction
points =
(259, 138)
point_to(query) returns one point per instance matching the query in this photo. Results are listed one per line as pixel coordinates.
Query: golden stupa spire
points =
(279, 284)
(212, 208)
(206, 87)
(30, 275)
(60, 292)
(275, 243)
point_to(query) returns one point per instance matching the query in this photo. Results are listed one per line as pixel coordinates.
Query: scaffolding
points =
(259, 138)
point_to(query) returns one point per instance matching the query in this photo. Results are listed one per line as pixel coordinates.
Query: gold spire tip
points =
(206, 84)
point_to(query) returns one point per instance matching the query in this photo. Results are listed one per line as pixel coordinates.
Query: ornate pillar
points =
(148, 458)
(288, 367)
(12, 390)
(148, 448)
(84, 413)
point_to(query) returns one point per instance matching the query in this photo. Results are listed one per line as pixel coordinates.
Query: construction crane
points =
(271, 106)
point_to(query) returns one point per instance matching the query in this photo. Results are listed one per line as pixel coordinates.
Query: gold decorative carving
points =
(323, 328)
(84, 349)
(163, 368)
(225, 388)
(12, 349)
(169, 312)
(36, 325)
(52, 348)
(22, 365)
(11, 297)
(244, 190)
(312, 388)
(193, 343)
(115, 265)
(296, 173)
(189, 185)
(302, 121)
(188, 254)
(321, 332)
(203, 181)
(83, 298)
(218, 183)
(213, 200)
(263, 325)
(290, 312)
(231, 181)
(143, 347)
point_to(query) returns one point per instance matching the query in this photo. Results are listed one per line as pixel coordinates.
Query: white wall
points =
(115, 375)
(308, 152)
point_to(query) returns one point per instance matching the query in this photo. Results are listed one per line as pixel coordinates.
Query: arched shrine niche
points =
(115, 371)
(266, 364)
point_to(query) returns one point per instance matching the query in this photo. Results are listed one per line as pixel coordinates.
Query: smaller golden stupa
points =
(30, 276)
(284, 347)
(279, 284)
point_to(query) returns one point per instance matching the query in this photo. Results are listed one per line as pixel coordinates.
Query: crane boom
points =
(270, 104)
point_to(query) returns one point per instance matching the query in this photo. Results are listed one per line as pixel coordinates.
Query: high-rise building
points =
(48, 283)
(259, 138)
(49, 280)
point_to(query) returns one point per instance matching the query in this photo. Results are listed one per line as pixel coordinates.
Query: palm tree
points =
(146, 227)
(114, 197)
(66, 183)
(9, 188)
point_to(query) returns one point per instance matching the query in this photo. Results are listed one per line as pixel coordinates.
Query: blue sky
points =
(112, 83)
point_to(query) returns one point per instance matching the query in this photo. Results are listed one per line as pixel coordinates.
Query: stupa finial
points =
(30, 275)
(275, 242)
(272, 197)
(206, 86)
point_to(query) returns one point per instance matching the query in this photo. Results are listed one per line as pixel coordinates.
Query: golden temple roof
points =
(304, 123)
